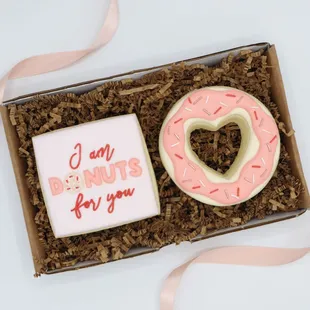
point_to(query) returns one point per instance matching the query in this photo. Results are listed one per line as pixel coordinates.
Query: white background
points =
(153, 33)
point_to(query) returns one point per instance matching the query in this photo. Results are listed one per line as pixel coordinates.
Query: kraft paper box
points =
(277, 94)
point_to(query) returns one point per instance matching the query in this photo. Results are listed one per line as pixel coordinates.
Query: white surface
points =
(108, 206)
(151, 33)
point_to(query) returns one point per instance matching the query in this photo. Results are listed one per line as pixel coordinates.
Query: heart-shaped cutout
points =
(217, 149)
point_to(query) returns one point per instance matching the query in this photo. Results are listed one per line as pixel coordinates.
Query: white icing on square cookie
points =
(96, 176)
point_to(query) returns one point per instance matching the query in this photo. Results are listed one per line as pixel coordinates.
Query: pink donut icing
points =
(207, 104)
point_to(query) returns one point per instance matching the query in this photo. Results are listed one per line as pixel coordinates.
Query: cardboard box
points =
(278, 96)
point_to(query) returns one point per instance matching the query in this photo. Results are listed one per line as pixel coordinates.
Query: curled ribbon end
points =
(239, 255)
(45, 63)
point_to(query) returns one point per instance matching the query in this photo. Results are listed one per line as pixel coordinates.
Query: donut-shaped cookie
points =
(212, 108)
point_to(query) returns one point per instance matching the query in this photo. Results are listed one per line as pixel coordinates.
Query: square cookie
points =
(96, 176)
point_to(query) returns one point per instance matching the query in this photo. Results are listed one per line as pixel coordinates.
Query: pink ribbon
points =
(239, 255)
(51, 62)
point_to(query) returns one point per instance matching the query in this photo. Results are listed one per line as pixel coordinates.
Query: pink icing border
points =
(209, 105)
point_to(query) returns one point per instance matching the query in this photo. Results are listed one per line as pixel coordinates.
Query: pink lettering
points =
(121, 165)
(56, 186)
(92, 178)
(108, 179)
(136, 169)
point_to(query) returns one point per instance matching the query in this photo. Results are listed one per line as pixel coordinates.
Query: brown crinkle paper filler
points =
(151, 97)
